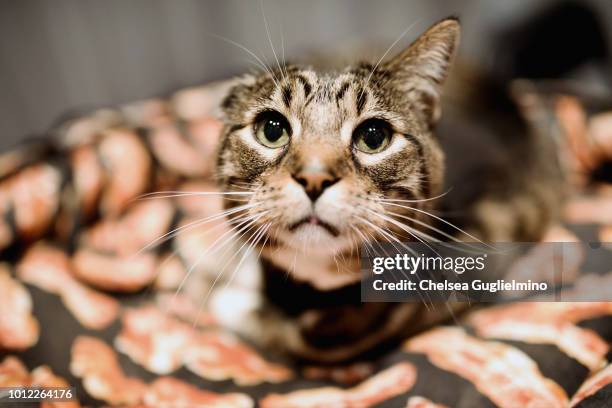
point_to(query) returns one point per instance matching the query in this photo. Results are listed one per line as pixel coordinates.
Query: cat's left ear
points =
(421, 69)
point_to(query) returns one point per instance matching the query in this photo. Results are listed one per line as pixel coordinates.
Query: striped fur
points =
(312, 245)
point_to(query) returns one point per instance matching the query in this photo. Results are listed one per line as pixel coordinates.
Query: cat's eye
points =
(372, 136)
(272, 129)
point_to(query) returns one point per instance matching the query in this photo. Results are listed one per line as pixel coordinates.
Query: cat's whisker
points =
(256, 65)
(428, 303)
(335, 259)
(222, 269)
(378, 230)
(244, 184)
(175, 251)
(388, 235)
(356, 244)
(237, 200)
(372, 238)
(364, 240)
(282, 37)
(424, 224)
(385, 54)
(263, 14)
(263, 65)
(340, 267)
(242, 229)
(251, 243)
(228, 260)
(413, 232)
(384, 233)
(353, 244)
(179, 193)
(243, 223)
(437, 230)
(266, 240)
(399, 200)
(367, 240)
(171, 234)
(439, 219)
(389, 238)
(342, 257)
(351, 237)
(249, 221)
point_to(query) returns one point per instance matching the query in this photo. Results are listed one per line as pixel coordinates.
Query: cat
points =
(331, 161)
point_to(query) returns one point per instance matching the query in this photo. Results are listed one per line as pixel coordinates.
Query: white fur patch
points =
(319, 270)
(346, 132)
(233, 302)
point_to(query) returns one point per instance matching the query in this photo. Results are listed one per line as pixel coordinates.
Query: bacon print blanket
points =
(87, 301)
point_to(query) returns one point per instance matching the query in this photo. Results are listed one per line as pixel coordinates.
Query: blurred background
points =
(63, 56)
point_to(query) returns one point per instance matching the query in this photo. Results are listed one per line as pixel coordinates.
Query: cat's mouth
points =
(316, 221)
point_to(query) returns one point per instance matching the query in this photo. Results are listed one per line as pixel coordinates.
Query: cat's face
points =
(322, 153)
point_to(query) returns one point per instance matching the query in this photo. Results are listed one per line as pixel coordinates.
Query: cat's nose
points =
(315, 183)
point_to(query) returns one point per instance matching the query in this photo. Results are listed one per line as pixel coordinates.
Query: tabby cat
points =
(331, 161)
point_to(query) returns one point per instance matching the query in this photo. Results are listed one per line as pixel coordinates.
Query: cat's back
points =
(494, 154)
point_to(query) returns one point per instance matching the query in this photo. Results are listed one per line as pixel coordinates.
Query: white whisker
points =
(439, 219)
(437, 230)
(398, 200)
(171, 194)
(263, 14)
(265, 67)
(388, 236)
(414, 233)
(249, 221)
(222, 271)
(171, 234)
(385, 54)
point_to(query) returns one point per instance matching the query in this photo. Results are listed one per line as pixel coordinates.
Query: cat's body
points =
(333, 161)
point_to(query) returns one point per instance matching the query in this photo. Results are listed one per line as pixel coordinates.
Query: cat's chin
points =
(314, 238)
(315, 224)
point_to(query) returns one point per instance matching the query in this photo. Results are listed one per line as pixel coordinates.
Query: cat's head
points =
(323, 153)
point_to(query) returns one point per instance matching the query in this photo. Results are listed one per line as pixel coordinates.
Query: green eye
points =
(372, 136)
(272, 129)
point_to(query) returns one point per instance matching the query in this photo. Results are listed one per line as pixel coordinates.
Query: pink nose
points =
(315, 183)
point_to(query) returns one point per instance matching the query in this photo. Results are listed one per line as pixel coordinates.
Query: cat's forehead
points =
(299, 90)
(324, 87)
(323, 99)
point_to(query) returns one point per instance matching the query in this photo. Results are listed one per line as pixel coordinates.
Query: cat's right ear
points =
(421, 69)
